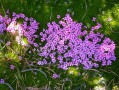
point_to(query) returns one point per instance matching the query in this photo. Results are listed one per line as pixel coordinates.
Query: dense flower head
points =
(105, 52)
(26, 27)
(2, 24)
(70, 44)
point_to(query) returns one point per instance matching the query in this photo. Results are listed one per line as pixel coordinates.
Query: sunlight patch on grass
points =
(115, 87)
(107, 18)
(110, 18)
(12, 56)
(111, 13)
(22, 41)
(73, 70)
(99, 87)
(99, 80)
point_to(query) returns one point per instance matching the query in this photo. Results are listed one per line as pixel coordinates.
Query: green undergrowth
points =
(44, 11)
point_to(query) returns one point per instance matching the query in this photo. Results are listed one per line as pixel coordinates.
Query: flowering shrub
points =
(68, 43)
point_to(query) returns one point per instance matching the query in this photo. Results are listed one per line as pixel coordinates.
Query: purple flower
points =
(2, 81)
(2, 24)
(42, 62)
(35, 45)
(27, 28)
(58, 16)
(98, 26)
(56, 76)
(94, 19)
(20, 57)
(8, 43)
(12, 67)
(7, 11)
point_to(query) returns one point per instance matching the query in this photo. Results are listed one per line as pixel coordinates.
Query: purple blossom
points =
(8, 43)
(20, 57)
(2, 24)
(36, 45)
(7, 11)
(27, 28)
(58, 16)
(68, 45)
(98, 26)
(12, 67)
(42, 62)
(105, 52)
(94, 19)
(2, 81)
(56, 76)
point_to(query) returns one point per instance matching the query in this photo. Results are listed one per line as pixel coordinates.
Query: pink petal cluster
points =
(68, 43)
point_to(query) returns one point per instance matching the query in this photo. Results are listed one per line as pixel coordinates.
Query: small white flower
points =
(109, 19)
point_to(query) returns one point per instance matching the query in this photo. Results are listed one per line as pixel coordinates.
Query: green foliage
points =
(44, 11)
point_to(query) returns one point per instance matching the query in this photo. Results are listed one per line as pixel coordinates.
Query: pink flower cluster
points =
(65, 44)
(2, 24)
(68, 43)
(21, 26)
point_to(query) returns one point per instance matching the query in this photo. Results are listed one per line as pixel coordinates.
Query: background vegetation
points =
(44, 11)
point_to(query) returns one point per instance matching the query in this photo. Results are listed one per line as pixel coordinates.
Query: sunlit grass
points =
(13, 50)
(110, 19)
(73, 71)
(99, 80)
(115, 87)
(99, 87)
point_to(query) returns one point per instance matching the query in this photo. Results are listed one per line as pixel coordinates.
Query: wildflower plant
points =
(18, 32)
(17, 35)
(69, 43)
(2, 24)
(65, 45)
